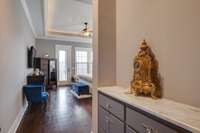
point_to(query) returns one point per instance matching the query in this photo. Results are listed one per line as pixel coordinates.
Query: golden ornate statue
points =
(145, 80)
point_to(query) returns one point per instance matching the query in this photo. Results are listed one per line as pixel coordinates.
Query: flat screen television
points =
(31, 53)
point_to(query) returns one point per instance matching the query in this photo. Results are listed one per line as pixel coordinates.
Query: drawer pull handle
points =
(107, 123)
(109, 106)
(108, 120)
(149, 129)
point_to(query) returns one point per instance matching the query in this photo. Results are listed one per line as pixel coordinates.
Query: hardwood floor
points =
(63, 113)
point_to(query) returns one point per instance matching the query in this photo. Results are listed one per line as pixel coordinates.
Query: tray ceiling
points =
(69, 15)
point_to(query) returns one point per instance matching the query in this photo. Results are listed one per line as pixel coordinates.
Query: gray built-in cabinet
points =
(118, 117)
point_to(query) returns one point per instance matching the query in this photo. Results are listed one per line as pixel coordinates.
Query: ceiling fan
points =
(87, 31)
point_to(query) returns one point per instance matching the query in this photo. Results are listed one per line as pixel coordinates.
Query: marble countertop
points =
(182, 115)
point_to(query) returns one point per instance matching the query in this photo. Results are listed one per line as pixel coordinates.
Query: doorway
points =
(63, 56)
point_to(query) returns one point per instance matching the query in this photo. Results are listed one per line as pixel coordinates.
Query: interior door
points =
(63, 56)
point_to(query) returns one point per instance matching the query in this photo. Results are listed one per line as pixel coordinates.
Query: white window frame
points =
(89, 50)
(69, 62)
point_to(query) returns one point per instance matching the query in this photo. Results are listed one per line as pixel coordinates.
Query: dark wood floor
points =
(62, 114)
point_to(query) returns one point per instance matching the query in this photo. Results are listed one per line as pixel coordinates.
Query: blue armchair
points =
(35, 93)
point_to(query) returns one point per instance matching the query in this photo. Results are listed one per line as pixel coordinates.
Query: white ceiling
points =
(67, 16)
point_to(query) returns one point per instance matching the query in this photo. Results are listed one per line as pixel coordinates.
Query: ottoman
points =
(80, 88)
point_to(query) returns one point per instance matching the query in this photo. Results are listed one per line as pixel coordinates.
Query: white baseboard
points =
(18, 119)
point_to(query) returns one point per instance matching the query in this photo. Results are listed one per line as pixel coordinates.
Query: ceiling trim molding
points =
(85, 1)
(63, 33)
(28, 16)
(45, 11)
(67, 39)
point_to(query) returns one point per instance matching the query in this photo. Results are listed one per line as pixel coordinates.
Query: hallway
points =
(62, 114)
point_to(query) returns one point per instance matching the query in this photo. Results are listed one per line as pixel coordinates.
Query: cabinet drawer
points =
(144, 124)
(109, 123)
(112, 106)
(129, 130)
(103, 119)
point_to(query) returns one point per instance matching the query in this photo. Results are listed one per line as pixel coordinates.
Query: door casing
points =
(69, 62)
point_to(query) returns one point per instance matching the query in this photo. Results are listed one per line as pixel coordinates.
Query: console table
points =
(126, 113)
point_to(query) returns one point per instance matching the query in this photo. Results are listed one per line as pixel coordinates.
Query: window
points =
(83, 64)
(62, 65)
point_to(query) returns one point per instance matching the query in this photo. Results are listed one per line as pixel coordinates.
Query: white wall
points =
(104, 41)
(107, 43)
(171, 28)
(15, 36)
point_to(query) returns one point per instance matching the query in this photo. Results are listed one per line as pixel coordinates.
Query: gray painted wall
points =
(15, 36)
(45, 46)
